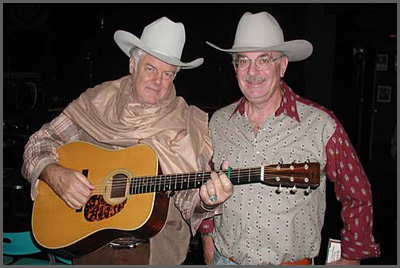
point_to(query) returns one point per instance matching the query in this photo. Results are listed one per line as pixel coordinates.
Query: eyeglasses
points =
(262, 63)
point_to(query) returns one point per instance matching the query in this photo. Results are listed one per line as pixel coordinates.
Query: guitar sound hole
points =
(119, 183)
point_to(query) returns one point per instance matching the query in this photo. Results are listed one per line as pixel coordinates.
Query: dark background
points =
(54, 52)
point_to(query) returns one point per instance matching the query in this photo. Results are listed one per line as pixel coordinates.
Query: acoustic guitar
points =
(129, 199)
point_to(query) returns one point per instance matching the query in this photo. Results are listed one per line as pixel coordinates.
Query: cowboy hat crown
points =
(163, 39)
(261, 32)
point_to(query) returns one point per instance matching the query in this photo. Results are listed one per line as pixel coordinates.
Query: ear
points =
(284, 64)
(234, 67)
(131, 65)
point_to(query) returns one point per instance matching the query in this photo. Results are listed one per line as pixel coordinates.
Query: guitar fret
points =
(165, 184)
(152, 184)
(190, 181)
(175, 184)
(181, 179)
(199, 182)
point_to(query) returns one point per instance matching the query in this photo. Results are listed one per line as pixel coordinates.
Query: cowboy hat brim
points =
(126, 41)
(295, 50)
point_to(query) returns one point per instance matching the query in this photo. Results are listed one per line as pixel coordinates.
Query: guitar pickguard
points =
(97, 209)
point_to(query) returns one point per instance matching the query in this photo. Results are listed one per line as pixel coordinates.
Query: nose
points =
(252, 68)
(158, 78)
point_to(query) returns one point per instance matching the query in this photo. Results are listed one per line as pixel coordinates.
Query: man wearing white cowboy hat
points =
(271, 124)
(140, 108)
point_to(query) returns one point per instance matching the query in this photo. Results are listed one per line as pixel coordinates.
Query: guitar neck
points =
(300, 175)
(186, 181)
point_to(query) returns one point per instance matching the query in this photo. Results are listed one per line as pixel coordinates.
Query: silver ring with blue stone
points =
(213, 198)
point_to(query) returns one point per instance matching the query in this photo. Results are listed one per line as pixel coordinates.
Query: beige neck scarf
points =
(178, 132)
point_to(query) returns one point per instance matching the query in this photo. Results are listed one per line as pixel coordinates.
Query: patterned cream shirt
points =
(259, 226)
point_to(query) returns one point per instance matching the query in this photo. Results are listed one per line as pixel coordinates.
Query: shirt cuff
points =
(36, 173)
(197, 217)
(359, 250)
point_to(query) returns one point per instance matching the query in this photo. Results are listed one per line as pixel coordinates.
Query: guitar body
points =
(111, 212)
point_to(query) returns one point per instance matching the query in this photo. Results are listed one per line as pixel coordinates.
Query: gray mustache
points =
(254, 79)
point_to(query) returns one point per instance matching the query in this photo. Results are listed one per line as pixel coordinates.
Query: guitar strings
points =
(206, 175)
(142, 183)
(179, 178)
(140, 189)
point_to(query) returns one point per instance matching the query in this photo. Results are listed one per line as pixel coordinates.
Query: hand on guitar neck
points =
(70, 185)
(216, 190)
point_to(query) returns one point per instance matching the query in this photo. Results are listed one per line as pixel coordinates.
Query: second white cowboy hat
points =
(261, 32)
(163, 39)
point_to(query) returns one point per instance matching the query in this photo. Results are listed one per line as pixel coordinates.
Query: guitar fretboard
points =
(177, 182)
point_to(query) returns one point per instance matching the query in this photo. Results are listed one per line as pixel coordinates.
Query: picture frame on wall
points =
(384, 94)
(382, 62)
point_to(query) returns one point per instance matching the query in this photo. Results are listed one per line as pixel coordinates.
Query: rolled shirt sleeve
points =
(41, 149)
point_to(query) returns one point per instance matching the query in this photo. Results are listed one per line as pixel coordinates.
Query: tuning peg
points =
(307, 191)
(293, 190)
(279, 189)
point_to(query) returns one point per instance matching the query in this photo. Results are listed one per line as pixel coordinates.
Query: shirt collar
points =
(287, 106)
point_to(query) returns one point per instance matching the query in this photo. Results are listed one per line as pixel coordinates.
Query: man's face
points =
(260, 83)
(151, 80)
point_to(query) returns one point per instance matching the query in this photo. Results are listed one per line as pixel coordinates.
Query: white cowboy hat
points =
(163, 39)
(261, 32)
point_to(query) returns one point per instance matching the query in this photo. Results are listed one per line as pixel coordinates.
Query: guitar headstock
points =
(300, 175)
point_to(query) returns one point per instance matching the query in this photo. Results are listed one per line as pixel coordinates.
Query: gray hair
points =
(137, 54)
